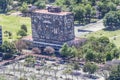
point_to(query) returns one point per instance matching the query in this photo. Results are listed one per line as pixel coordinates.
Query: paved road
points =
(92, 27)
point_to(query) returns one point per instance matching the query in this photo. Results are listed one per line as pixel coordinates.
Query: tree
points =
(32, 1)
(93, 2)
(74, 52)
(21, 33)
(65, 50)
(8, 47)
(30, 60)
(116, 53)
(36, 50)
(115, 73)
(49, 50)
(109, 56)
(24, 7)
(79, 12)
(24, 27)
(112, 20)
(104, 40)
(88, 12)
(90, 68)
(111, 6)
(99, 50)
(104, 7)
(78, 1)
(40, 4)
(8, 33)
(100, 58)
(20, 44)
(76, 66)
(90, 55)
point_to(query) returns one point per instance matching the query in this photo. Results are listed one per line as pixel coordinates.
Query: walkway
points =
(92, 27)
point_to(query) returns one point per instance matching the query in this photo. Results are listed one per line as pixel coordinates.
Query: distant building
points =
(0, 35)
(52, 27)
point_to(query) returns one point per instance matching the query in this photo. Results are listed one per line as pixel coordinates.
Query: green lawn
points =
(13, 24)
(110, 34)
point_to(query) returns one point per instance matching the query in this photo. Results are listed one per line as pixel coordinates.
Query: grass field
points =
(13, 24)
(114, 36)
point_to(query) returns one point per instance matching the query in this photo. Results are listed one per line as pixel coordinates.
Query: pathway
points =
(92, 27)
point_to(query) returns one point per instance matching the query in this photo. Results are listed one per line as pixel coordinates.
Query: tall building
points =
(0, 35)
(52, 26)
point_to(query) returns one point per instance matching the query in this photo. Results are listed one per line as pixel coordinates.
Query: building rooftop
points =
(47, 12)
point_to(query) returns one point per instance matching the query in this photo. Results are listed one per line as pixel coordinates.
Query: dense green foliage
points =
(9, 50)
(24, 7)
(90, 67)
(115, 73)
(97, 50)
(22, 33)
(5, 5)
(85, 10)
(29, 61)
(8, 47)
(67, 51)
(24, 27)
(112, 20)
(100, 50)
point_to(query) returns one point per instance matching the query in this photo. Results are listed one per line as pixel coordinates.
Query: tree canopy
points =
(112, 20)
(90, 67)
(115, 73)
(96, 50)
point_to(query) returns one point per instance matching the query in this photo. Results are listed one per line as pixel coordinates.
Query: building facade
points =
(0, 35)
(52, 27)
